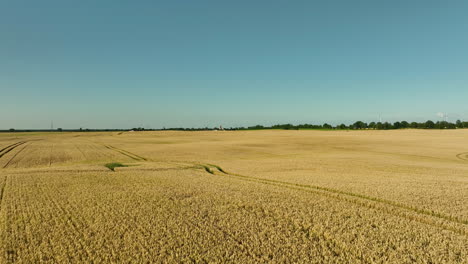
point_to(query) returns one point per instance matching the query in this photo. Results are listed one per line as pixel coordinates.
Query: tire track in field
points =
(126, 153)
(2, 191)
(98, 149)
(462, 156)
(130, 153)
(1, 150)
(22, 157)
(10, 255)
(359, 199)
(16, 154)
(81, 151)
(11, 147)
(101, 151)
(50, 155)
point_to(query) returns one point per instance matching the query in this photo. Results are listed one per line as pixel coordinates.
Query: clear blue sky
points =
(110, 64)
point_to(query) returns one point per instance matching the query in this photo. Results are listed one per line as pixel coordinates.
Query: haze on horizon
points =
(103, 64)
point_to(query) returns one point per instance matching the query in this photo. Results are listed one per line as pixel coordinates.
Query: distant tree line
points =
(372, 125)
(355, 126)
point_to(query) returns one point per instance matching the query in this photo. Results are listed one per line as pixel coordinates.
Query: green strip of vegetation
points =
(113, 165)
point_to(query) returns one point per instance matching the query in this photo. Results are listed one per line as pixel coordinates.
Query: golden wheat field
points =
(268, 196)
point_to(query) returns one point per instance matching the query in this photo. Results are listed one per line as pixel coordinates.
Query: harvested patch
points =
(113, 165)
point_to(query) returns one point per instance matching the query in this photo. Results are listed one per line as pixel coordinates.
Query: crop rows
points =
(186, 216)
(337, 194)
(171, 203)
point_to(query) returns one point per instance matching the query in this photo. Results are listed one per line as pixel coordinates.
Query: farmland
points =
(235, 196)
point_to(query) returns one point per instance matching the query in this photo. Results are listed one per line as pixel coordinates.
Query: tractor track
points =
(359, 199)
(462, 156)
(2, 191)
(50, 154)
(14, 156)
(126, 153)
(81, 151)
(11, 147)
(130, 153)
(1, 150)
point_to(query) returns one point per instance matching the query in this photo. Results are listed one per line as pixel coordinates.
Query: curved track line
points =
(31, 151)
(126, 153)
(11, 147)
(462, 156)
(123, 153)
(130, 153)
(1, 150)
(319, 189)
(16, 154)
(2, 190)
(50, 154)
(81, 151)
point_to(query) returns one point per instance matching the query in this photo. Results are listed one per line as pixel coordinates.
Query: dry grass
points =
(245, 197)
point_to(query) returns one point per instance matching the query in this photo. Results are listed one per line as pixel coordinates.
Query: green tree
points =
(429, 124)
(387, 125)
(257, 127)
(327, 126)
(359, 125)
